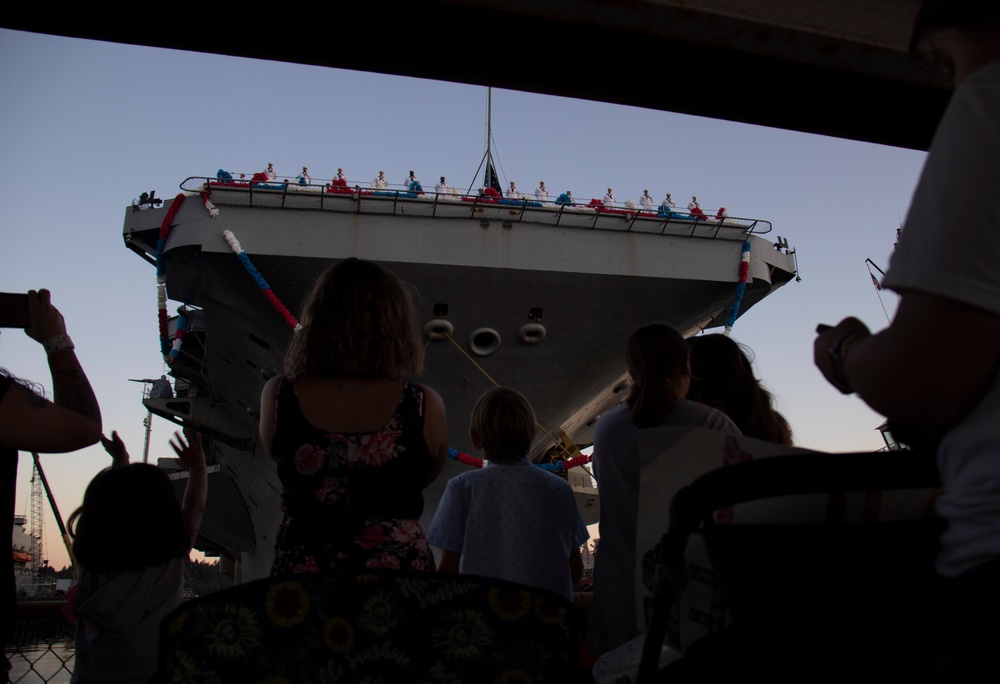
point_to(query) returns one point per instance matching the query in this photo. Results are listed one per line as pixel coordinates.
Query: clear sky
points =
(85, 127)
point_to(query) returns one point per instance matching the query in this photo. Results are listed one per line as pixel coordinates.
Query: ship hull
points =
(587, 280)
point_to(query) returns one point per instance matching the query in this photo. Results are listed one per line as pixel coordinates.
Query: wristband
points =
(58, 342)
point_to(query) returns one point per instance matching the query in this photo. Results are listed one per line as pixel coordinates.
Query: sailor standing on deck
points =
(271, 175)
(340, 175)
(609, 199)
(646, 201)
(304, 178)
(411, 179)
(513, 192)
(541, 193)
(380, 182)
(668, 202)
(442, 187)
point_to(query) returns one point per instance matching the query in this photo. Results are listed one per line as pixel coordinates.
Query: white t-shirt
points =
(616, 467)
(950, 247)
(511, 521)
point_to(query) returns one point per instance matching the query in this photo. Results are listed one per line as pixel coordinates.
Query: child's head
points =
(502, 425)
(130, 519)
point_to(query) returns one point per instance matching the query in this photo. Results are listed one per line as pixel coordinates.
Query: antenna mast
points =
(489, 123)
(488, 157)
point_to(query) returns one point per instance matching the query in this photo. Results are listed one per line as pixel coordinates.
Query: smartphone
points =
(14, 310)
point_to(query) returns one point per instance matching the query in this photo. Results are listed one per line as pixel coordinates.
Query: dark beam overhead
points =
(832, 67)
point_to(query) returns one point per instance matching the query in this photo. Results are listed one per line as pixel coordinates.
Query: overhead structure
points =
(833, 67)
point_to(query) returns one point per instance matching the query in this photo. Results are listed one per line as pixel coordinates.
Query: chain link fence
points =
(41, 647)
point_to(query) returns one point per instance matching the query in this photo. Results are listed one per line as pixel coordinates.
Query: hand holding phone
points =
(46, 321)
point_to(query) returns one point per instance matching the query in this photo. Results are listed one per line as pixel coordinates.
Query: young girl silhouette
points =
(131, 539)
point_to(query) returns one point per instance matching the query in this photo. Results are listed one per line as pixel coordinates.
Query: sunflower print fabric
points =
(372, 626)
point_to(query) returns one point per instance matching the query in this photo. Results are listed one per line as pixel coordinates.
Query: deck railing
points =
(357, 199)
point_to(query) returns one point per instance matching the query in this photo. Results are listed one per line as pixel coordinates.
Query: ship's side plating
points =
(486, 276)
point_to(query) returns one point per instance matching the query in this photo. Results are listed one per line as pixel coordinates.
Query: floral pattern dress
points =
(351, 500)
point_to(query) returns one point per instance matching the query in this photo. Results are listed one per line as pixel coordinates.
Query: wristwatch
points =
(836, 353)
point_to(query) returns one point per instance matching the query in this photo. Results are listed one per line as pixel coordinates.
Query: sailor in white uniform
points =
(304, 178)
(668, 202)
(646, 201)
(693, 204)
(412, 178)
(442, 187)
(541, 193)
(271, 175)
(380, 182)
(513, 192)
(340, 175)
(609, 199)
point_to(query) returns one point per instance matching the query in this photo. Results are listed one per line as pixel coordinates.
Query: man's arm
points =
(931, 365)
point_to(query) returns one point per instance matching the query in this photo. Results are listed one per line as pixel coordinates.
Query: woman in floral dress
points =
(355, 442)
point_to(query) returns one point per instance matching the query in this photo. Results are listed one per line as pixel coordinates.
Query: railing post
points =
(632, 222)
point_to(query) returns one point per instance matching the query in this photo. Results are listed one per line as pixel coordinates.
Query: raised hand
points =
(46, 321)
(188, 449)
(116, 447)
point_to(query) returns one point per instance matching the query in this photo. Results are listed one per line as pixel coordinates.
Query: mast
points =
(489, 124)
(488, 156)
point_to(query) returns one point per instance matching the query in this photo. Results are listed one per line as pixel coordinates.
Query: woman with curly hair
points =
(722, 377)
(354, 440)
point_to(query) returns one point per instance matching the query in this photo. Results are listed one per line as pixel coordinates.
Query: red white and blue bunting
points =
(741, 286)
(265, 289)
(175, 349)
(557, 467)
(161, 277)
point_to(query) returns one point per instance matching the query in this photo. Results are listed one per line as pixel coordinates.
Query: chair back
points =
(372, 625)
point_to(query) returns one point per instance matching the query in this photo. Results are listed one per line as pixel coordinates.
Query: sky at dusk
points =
(85, 127)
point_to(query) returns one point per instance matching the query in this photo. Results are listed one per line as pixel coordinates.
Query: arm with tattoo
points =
(29, 422)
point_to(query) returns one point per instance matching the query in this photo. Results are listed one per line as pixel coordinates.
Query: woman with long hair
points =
(659, 363)
(355, 441)
(722, 377)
